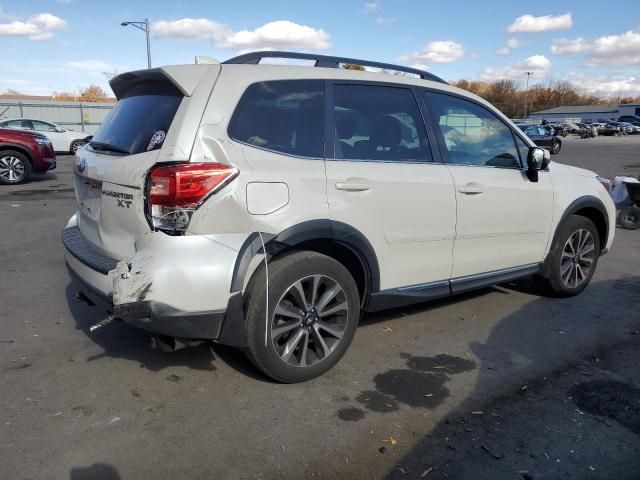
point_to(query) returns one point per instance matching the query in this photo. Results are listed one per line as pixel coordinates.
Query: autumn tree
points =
(510, 97)
(353, 66)
(65, 96)
(93, 93)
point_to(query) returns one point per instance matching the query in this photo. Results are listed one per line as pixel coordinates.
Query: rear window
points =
(140, 120)
(284, 115)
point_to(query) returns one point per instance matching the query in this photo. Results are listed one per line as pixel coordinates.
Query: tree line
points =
(511, 98)
(508, 95)
(92, 93)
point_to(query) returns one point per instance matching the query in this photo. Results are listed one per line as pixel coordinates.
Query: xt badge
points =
(124, 200)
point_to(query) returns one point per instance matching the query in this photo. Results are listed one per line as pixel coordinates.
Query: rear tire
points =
(629, 217)
(306, 336)
(15, 167)
(573, 258)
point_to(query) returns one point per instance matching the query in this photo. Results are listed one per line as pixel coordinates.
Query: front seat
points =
(385, 138)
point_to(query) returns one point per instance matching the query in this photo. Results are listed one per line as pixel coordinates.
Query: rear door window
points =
(285, 116)
(22, 124)
(378, 123)
(140, 120)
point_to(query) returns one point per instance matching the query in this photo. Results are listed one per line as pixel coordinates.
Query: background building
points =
(582, 113)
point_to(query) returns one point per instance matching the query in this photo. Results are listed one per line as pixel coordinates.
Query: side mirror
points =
(60, 130)
(538, 159)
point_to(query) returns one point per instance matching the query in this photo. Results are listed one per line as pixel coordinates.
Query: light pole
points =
(526, 93)
(144, 26)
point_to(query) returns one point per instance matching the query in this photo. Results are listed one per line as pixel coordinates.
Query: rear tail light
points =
(175, 191)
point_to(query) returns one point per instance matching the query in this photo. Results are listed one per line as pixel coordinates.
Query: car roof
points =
(26, 118)
(263, 72)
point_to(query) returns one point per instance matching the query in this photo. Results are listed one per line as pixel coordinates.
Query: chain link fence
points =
(81, 116)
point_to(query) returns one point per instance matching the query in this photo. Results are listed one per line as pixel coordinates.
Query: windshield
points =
(136, 124)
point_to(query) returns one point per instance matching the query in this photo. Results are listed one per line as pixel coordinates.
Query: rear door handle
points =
(471, 189)
(353, 186)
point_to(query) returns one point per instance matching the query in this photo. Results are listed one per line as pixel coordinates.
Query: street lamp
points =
(526, 93)
(144, 26)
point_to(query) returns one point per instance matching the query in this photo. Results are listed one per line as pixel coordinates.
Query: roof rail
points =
(329, 62)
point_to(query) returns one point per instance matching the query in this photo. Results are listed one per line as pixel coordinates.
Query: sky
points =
(62, 45)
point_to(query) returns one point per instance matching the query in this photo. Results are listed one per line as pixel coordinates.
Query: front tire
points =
(573, 258)
(314, 308)
(15, 167)
(76, 145)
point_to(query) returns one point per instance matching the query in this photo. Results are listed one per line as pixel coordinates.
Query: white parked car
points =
(63, 140)
(267, 206)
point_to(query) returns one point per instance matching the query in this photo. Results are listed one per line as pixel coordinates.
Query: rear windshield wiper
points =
(107, 147)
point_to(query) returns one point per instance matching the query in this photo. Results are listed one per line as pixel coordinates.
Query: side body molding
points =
(234, 331)
(342, 233)
(588, 201)
(324, 229)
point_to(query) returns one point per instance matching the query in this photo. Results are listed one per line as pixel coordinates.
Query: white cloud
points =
(270, 36)
(436, 52)
(371, 6)
(386, 20)
(513, 43)
(562, 46)
(623, 49)
(276, 35)
(38, 27)
(539, 65)
(545, 23)
(190, 28)
(606, 85)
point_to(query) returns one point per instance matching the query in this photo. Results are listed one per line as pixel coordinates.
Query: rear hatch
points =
(155, 121)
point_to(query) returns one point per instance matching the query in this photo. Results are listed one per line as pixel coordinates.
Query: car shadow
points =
(119, 340)
(542, 340)
(385, 315)
(97, 471)
(42, 177)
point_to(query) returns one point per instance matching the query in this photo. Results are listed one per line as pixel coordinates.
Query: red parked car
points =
(22, 153)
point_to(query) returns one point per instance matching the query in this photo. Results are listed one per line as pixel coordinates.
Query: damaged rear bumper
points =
(156, 317)
(127, 292)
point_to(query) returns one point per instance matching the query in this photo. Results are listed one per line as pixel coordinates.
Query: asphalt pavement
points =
(499, 383)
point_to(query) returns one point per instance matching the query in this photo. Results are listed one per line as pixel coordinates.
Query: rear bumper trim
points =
(81, 249)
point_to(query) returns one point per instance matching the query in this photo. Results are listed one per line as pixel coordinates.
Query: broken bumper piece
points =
(133, 292)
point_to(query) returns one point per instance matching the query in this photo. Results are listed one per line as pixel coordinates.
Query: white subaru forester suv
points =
(268, 206)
